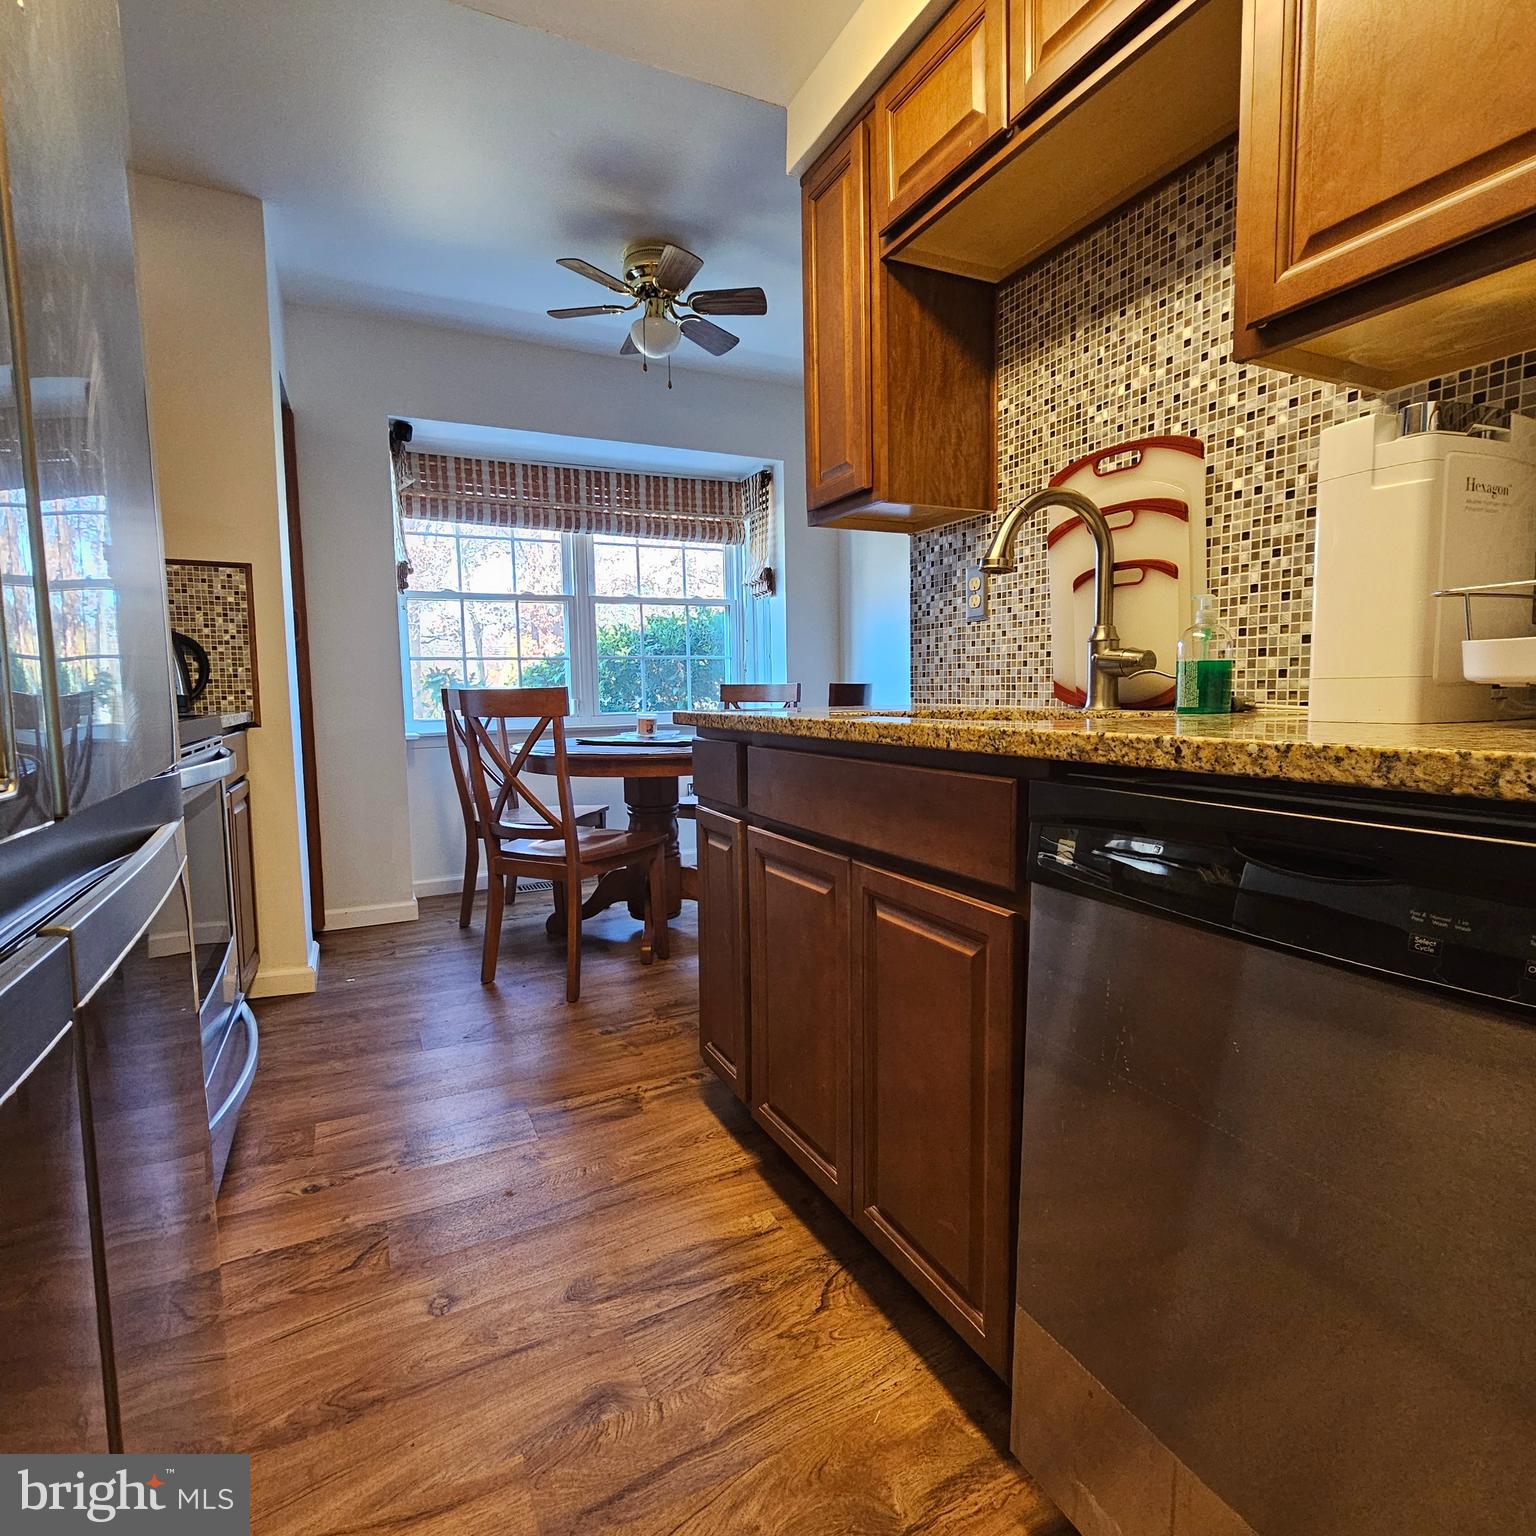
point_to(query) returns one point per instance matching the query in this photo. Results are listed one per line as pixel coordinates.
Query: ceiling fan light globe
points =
(655, 336)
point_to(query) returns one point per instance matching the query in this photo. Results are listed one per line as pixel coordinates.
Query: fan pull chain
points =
(669, 370)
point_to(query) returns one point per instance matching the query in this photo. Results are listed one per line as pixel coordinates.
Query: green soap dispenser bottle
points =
(1206, 663)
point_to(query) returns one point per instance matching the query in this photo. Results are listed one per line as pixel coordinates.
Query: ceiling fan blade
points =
(629, 349)
(677, 268)
(729, 301)
(589, 309)
(586, 269)
(711, 337)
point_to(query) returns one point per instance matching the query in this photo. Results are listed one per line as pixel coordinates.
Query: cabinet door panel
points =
(1340, 183)
(801, 1089)
(834, 227)
(936, 1041)
(1048, 40)
(723, 948)
(243, 875)
(940, 107)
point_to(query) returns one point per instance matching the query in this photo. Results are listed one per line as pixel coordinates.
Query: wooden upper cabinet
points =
(834, 227)
(937, 1048)
(940, 107)
(1048, 40)
(723, 946)
(801, 1084)
(1376, 134)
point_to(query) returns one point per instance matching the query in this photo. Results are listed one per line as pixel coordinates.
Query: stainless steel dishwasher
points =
(1277, 1210)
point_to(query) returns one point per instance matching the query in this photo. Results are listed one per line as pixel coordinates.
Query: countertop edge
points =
(1475, 772)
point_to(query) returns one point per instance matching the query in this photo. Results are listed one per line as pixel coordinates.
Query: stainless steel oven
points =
(229, 1031)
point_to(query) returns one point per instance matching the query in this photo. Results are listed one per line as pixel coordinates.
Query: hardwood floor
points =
(499, 1264)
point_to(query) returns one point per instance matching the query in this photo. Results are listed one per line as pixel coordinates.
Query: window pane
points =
(665, 632)
(539, 567)
(618, 686)
(487, 565)
(706, 631)
(547, 672)
(498, 672)
(613, 568)
(490, 628)
(428, 679)
(706, 573)
(541, 629)
(434, 562)
(706, 677)
(661, 570)
(618, 629)
(433, 627)
(666, 684)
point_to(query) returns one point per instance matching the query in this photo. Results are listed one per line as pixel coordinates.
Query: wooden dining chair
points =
(558, 850)
(509, 815)
(734, 695)
(847, 695)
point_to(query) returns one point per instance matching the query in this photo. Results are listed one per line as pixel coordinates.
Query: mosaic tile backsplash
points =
(1125, 332)
(212, 604)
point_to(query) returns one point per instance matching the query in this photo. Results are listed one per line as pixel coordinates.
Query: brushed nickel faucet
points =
(1107, 661)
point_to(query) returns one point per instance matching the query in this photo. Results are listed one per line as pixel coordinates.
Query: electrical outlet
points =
(975, 594)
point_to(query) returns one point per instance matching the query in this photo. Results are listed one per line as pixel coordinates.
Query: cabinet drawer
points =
(720, 771)
(940, 107)
(963, 823)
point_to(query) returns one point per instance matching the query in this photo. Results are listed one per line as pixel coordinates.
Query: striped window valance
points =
(573, 499)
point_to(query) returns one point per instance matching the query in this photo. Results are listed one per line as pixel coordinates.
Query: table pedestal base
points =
(652, 805)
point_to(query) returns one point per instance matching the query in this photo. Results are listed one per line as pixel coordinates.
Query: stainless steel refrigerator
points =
(111, 1331)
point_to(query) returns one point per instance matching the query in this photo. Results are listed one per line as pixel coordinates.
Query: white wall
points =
(212, 347)
(387, 817)
(876, 583)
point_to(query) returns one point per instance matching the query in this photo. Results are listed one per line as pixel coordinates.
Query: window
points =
(627, 624)
(77, 539)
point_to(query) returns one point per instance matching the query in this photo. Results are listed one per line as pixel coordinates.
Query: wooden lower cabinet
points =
(242, 868)
(801, 1087)
(936, 1046)
(723, 1002)
(879, 1042)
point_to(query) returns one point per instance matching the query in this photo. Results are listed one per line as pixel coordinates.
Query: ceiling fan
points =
(655, 275)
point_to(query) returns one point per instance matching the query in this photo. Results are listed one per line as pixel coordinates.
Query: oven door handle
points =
(236, 1096)
(208, 770)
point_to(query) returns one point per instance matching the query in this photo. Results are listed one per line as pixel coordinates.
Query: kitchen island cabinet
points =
(864, 915)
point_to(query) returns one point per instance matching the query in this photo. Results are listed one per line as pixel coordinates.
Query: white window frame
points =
(581, 602)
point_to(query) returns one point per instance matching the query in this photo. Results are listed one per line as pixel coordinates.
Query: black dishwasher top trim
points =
(1445, 901)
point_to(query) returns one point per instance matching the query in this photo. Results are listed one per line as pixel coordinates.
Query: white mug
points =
(645, 725)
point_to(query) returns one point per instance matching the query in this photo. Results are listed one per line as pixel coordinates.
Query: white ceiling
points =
(553, 448)
(762, 48)
(424, 158)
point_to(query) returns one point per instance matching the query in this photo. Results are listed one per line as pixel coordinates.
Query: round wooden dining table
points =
(651, 776)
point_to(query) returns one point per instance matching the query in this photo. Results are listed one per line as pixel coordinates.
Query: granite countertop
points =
(1494, 761)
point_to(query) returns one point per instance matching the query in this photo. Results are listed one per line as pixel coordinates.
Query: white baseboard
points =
(288, 980)
(370, 917)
